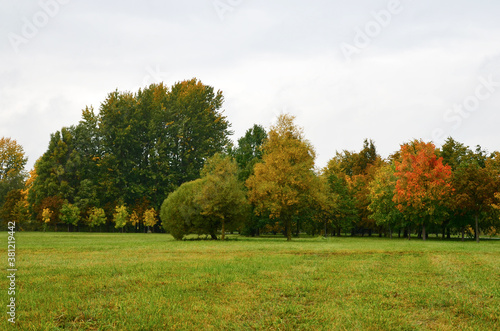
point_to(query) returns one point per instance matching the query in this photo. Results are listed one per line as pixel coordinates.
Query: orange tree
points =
(423, 183)
(283, 182)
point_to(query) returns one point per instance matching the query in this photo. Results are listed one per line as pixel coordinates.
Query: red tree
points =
(423, 183)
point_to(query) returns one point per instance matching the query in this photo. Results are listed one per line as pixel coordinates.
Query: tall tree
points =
(247, 154)
(283, 181)
(249, 151)
(12, 163)
(423, 183)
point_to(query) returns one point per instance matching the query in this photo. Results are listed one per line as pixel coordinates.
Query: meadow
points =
(120, 281)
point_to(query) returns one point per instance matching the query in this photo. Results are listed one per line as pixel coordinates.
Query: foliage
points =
(180, 213)
(47, 215)
(150, 217)
(12, 163)
(120, 217)
(222, 199)
(214, 202)
(281, 184)
(139, 147)
(382, 205)
(423, 183)
(338, 181)
(70, 214)
(97, 217)
(249, 151)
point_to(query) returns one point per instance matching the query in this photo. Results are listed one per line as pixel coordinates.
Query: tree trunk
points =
(423, 232)
(477, 228)
(463, 234)
(288, 225)
(223, 234)
(325, 228)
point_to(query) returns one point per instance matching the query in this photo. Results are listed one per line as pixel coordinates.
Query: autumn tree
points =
(12, 173)
(150, 218)
(283, 180)
(423, 183)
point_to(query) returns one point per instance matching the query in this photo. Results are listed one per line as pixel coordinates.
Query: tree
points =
(180, 213)
(423, 183)
(476, 182)
(12, 163)
(282, 182)
(150, 218)
(214, 202)
(382, 206)
(46, 216)
(97, 217)
(120, 217)
(134, 219)
(8, 208)
(338, 181)
(222, 199)
(249, 151)
(70, 214)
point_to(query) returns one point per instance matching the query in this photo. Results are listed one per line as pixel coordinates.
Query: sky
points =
(388, 70)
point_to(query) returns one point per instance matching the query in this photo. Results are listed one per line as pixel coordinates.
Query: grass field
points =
(94, 281)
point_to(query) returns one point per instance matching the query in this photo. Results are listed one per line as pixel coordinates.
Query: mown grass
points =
(94, 281)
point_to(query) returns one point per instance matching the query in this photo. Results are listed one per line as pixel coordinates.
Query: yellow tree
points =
(283, 181)
(150, 218)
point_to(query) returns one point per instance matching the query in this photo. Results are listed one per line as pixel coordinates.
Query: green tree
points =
(70, 214)
(345, 214)
(97, 217)
(283, 181)
(222, 198)
(181, 214)
(383, 208)
(120, 217)
(249, 151)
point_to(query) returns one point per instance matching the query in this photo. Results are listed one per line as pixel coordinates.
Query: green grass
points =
(94, 281)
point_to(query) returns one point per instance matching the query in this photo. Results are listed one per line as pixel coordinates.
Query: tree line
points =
(161, 159)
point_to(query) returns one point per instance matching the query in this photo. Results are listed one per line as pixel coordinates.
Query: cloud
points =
(267, 58)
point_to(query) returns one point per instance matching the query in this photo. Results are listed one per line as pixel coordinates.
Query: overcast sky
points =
(348, 70)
